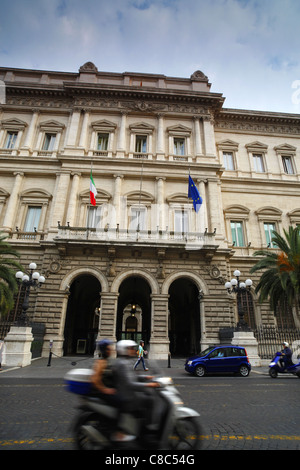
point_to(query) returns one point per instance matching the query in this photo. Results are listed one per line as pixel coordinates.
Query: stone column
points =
(73, 128)
(28, 143)
(159, 341)
(214, 207)
(84, 130)
(121, 144)
(198, 143)
(160, 150)
(209, 137)
(73, 199)
(116, 201)
(59, 201)
(160, 203)
(12, 205)
(108, 316)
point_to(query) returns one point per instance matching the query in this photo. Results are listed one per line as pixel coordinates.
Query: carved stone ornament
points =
(88, 67)
(199, 76)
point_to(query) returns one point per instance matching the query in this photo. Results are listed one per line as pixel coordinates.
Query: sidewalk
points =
(59, 366)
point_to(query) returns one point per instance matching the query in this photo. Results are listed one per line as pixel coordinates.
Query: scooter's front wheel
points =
(273, 373)
(88, 435)
(186, 434)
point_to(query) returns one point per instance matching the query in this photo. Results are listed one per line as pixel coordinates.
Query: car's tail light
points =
(247, 357)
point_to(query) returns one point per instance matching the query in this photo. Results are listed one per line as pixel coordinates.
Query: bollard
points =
(169, 360)
(50, 353)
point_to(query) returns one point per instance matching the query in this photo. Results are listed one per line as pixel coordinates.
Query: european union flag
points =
(194, 194)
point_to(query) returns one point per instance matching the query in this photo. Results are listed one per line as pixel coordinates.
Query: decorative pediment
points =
(227, 145)
(135, 197)
(268, 213)
(51, 126)
(141, 127)
(237, 209)
(285, 149)
(104, 125)
(179, 198)
(13, 124)
(256, 147)
(179, 130)
(37, 195)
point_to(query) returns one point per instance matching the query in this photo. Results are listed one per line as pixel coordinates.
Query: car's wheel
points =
(199, 371)
(244, 371)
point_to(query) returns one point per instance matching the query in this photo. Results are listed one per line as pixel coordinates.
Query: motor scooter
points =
(174, 427)
(275, 367)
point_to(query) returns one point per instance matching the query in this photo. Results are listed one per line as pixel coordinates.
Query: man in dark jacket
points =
(286, 354)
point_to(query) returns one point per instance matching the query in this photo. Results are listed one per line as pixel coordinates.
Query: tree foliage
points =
(8, 283)
(280, 280)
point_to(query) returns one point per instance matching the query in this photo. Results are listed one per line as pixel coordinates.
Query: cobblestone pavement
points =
(253, 413)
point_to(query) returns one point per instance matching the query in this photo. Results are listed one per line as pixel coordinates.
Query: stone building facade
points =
(141, 263)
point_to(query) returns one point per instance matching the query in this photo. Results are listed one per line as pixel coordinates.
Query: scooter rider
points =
(131, 387)
(286, 354)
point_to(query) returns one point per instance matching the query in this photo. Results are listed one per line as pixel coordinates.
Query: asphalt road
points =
(252, 413)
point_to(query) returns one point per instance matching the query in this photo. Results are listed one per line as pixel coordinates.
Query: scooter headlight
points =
(272, 364)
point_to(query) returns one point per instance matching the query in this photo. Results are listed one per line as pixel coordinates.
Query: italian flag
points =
(93, 190)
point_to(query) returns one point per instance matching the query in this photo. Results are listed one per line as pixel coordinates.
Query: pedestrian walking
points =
(141, 353)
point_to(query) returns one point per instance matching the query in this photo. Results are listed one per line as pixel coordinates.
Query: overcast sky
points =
(250, 50)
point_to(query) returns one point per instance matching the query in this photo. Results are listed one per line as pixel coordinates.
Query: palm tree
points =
(8, 282)
(280, 280)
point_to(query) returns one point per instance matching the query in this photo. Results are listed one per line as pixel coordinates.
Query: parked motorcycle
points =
(275, 367)
(176, 427)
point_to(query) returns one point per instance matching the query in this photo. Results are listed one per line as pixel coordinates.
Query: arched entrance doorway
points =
(184, 317)
(134, 310)
(82, 318)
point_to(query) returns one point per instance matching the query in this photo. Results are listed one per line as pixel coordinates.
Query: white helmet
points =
(285, 344)
(123, 345)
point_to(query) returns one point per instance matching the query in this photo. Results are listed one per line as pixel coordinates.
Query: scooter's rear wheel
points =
(186, 434)
(273, 373)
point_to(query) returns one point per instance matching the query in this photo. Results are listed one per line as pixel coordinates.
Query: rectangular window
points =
(102, 141)
(181, 223)
(237, 233)
(258, 163)
(141, 143)
(10, 141)
(179, 146)
(32, 219)
(137, 218)
(93, 217)
(287, 165)
(49, 142)
(269, 229)
(228, 160)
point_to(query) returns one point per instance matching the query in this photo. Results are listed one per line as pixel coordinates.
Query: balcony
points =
(187, 240)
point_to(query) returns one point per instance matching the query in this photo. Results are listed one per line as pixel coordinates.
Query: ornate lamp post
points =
(34, 279)
(237, 287)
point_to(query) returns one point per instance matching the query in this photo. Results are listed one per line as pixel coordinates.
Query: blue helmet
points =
(102, 345)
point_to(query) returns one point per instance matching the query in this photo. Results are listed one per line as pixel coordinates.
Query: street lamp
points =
(34, 279)
(237, 287)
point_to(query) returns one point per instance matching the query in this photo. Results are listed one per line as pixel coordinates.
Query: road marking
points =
(70, 440)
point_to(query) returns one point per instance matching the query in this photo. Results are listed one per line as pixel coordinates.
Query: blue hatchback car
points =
(218, 359)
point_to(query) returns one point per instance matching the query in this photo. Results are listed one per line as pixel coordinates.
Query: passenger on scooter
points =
(104, 383)
(131, 387)
(286, 354)
(102, 377)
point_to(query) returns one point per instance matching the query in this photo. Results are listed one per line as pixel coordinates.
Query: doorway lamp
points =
(35, 280)
(237, 287)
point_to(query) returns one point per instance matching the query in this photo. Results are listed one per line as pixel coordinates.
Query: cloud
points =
(247, 48)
